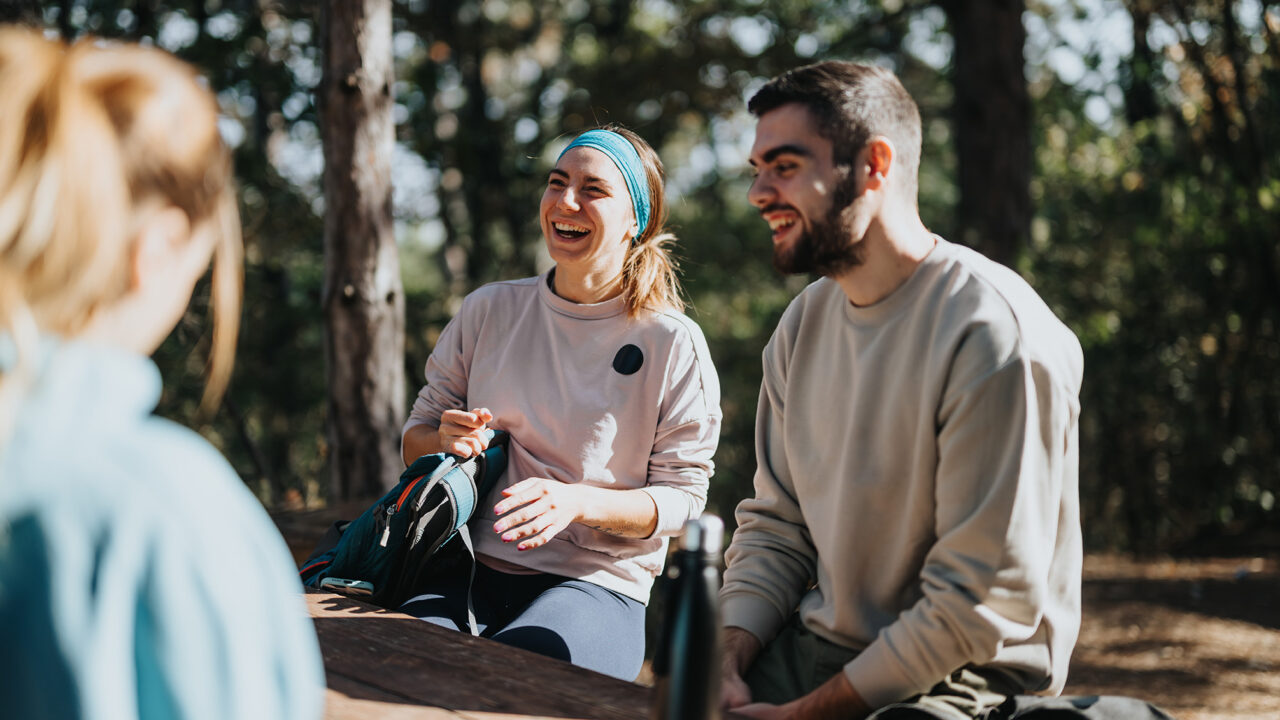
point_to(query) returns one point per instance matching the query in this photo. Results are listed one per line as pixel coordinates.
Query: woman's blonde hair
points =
(649, 279)
(89, 134)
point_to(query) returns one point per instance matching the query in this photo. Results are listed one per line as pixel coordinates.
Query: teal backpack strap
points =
(442, 512)
(465, 535)
(491, 468)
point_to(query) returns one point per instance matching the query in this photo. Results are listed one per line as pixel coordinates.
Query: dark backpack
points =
(382, 555)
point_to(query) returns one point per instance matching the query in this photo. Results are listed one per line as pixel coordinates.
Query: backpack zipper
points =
(386, 525)
(393, 508)
(314, 564)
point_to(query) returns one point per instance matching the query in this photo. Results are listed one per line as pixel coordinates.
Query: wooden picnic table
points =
(383, 664)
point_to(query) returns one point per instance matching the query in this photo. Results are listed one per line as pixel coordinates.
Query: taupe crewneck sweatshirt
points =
(588, 395)
(916, 495)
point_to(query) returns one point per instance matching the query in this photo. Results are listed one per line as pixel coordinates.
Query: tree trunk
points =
(993, 126)
(1138, 73)
(23, 12)
(363, 297)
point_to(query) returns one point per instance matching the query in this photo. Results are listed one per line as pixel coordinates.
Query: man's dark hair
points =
(851, 103)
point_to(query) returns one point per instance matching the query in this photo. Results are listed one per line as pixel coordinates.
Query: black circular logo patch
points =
(628, 360)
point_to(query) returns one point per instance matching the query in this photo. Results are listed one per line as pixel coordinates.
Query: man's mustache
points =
(775, 207)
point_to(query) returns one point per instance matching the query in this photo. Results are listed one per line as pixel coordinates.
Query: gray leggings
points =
(563, 618)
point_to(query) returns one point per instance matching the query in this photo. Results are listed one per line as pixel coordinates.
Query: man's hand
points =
(463, 433)
(740, 650)
(734, 693)
(763, 711)
(535, 510)
(833, 700)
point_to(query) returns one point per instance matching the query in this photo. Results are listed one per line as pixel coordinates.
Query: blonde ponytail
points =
(650, 279)
(89, 134)
(649, 276)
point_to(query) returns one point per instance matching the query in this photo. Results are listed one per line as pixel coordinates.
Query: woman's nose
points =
(568, 199)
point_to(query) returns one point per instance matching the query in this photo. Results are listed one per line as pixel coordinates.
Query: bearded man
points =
(913, 547)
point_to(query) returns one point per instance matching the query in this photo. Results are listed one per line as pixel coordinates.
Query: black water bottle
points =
(686, 662)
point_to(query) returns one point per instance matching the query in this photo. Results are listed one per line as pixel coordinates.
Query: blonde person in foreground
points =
(613, 409)
(914, 541)
(138, 576)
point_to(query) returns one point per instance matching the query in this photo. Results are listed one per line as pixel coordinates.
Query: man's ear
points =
(879, 161)
(163, 231)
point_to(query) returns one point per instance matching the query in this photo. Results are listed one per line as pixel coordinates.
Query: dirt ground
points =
(1198, 637)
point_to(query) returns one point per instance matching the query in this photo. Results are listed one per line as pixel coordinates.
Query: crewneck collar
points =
(583, 311)
(893, 303)
(86, 378)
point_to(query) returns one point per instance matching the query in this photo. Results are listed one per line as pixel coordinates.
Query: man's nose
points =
(761, 192)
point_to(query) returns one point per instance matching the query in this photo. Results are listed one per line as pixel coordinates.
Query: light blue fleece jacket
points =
(138, 576)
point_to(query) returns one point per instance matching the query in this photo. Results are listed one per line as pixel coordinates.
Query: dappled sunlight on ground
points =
(1200, 638)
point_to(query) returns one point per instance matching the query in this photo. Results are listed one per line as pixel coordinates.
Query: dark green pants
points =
(796, 662)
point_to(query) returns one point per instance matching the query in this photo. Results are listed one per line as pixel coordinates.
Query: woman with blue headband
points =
(613, 409)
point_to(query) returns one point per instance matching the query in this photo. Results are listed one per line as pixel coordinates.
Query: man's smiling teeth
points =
(777, 223)
(566, 227)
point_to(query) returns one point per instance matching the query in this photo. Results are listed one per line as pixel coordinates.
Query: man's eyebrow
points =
(772, 153)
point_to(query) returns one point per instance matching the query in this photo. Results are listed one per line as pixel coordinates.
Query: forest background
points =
(1120, 155)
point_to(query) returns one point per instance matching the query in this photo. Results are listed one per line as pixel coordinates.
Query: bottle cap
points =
(704, 534)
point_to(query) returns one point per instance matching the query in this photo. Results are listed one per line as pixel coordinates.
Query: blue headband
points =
(624, 155)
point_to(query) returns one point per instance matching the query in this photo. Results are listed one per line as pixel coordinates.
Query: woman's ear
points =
(163, 231)
(165, 261)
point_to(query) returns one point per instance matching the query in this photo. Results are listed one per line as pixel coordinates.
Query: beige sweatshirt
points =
(588, 395)
(918, 467)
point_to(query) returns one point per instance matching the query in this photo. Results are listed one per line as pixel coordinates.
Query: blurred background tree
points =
(363, 296)
(1120, 155)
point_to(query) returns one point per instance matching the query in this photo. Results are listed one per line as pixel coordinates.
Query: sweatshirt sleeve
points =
(446, 373)
(772, 559)
(680, 465)
(1004, 448)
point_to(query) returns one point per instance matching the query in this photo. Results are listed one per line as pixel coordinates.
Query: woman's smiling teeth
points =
(568, 230)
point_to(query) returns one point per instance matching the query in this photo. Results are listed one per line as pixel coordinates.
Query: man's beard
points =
(828, 246)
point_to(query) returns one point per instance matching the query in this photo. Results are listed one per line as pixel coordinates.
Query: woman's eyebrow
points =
(557, 172)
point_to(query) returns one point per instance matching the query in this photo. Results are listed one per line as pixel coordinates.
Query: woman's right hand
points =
(463, 433)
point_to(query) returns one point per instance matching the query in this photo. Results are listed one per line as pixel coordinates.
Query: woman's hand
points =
(463, 433)
(535, 510)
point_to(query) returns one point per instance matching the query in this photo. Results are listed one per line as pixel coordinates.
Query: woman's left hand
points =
(535, 510)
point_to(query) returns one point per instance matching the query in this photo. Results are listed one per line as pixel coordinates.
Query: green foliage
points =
(1156, 240)
(1154, 237)
(261, 64)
